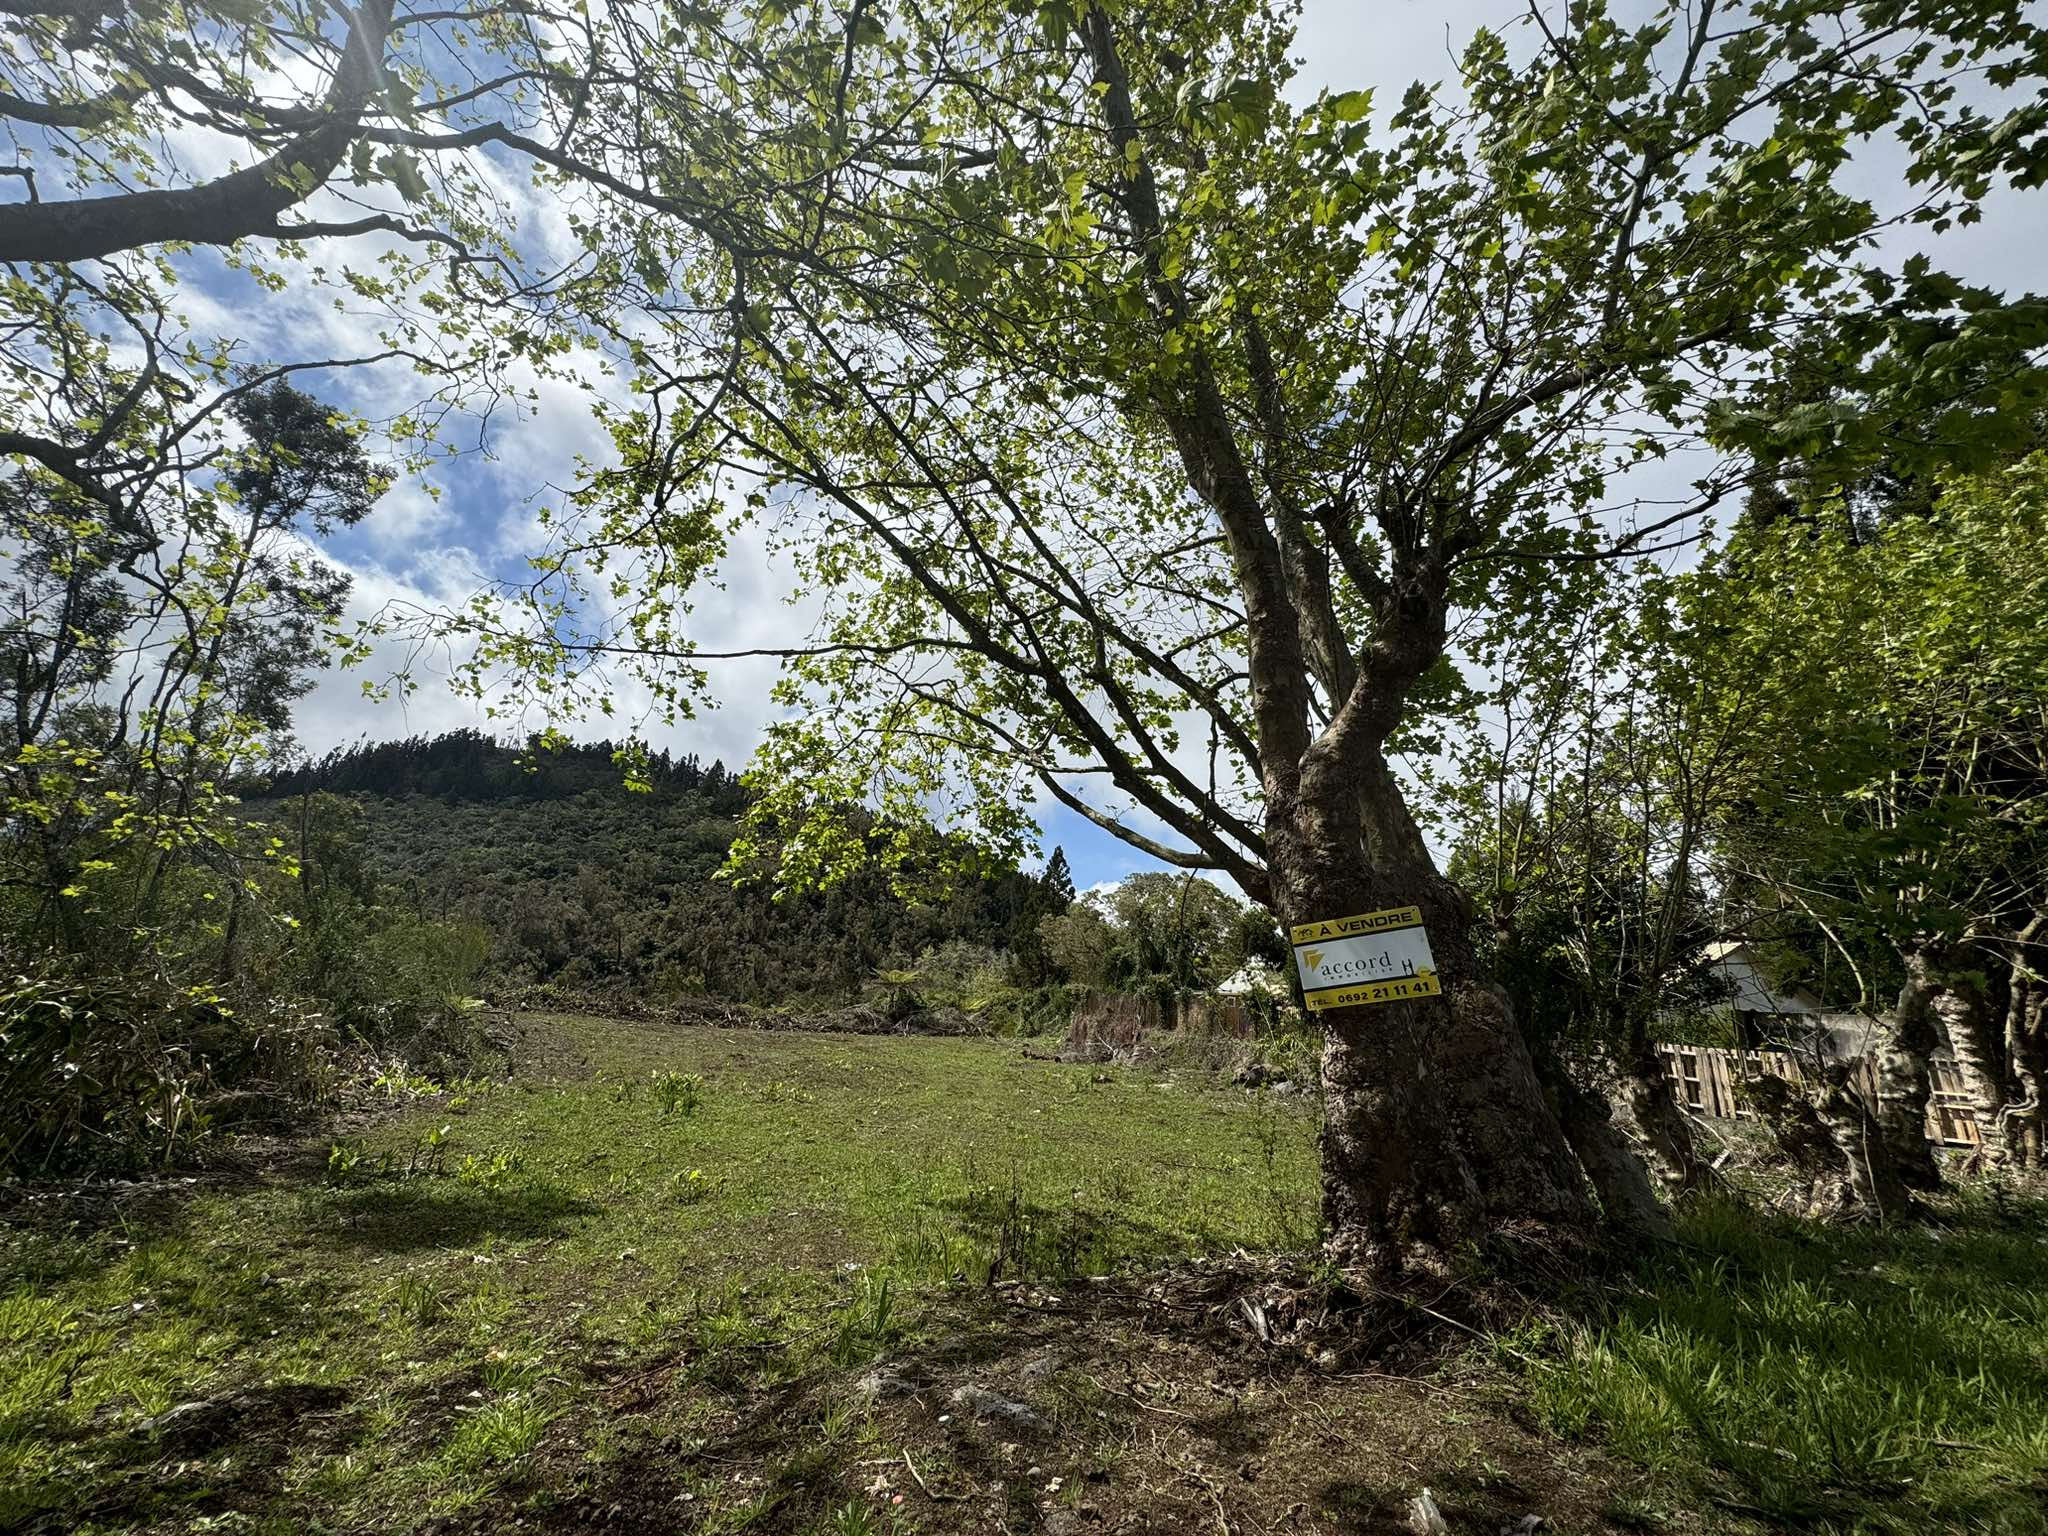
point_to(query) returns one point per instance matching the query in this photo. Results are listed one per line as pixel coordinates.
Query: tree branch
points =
(224, 210)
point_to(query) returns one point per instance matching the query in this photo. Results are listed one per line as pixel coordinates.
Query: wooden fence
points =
(1107, 1022)
(1704, 1078)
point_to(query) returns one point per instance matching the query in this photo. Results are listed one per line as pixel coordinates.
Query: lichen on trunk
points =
(2027, 1045)
(1906, 1039)
(1965, 1014)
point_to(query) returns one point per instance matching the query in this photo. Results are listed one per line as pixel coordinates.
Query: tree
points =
(1140, 430)
(1048, 895)
(1152, 932)
(1894, 789)
(1057, 881)
(351, 134)
(140, 686)
(1585, 819)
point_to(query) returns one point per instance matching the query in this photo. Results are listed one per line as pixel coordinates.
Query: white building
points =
(1253, 976)
(1793, 1018)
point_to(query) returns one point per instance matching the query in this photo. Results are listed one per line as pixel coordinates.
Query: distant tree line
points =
(474, 766)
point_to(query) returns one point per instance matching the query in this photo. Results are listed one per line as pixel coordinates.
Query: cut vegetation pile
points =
(672, 1278)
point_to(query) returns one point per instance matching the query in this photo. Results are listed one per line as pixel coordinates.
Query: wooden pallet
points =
(1705, 1077)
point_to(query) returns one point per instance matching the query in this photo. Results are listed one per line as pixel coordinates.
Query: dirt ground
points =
(1145, 1406)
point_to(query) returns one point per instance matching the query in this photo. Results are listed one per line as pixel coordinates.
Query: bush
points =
(961, 975)
(117, 1064)
(1029, 1011)
(398, 985)
(106, 1071)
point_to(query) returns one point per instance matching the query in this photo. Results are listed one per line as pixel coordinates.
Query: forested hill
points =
(586, 883)
(470, 765)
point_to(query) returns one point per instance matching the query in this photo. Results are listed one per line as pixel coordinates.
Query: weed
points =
(349, 1162)
(403, 1085)
(1293, 1222)
(506, 1370)
(854, 1518)
(343, 1159)
(331, 1478)
(744, 1516)
(1000, 1231)
(485, 1308)
(477, 1173)
(429, 1153)
(689, 1186)
(496, 1433)
(839, 1418)
(677, 1093)
(867, 1323)
(418, 1300)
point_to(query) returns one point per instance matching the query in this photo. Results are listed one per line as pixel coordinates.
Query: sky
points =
(436, 538)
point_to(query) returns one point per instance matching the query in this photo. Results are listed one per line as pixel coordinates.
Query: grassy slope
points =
(628, 1301)
(1857, 1379)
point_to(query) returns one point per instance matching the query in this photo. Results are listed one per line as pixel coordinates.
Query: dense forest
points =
(591, 884)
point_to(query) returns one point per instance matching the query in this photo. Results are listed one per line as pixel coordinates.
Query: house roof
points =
(1253, 977)
(1738, 965)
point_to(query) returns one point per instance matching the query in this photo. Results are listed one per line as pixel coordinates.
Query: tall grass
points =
(1839, 1379)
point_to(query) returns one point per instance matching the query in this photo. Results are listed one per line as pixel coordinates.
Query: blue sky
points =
(431, 548)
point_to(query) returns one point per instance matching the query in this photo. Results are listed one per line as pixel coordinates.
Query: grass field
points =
(668, 1279)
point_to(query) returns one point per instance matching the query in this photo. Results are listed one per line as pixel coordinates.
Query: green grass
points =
(659, 1259)
(397, 1325)
(1831, 1379)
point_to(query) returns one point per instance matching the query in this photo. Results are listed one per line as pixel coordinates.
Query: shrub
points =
(961, 975)
(403, 987)
(106, 1071)
(1045, 1010)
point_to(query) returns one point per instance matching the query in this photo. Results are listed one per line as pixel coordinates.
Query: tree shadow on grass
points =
(994, 1233)
(206, 1457)
(1063, 1409)
(63, 1235)
(404, 1215)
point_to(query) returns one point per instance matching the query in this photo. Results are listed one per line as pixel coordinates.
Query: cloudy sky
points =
(436, 538)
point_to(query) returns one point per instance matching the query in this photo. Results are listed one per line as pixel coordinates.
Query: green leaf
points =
(1350, 106)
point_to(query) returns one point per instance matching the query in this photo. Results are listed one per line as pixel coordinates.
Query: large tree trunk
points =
(1876, 1178)
(1617, 1175)
(1905, 1045)
(1966, 1014)
(1436, 1129)
(1804, 1140)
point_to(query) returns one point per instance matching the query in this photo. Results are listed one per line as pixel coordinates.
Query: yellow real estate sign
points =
(1374, 957)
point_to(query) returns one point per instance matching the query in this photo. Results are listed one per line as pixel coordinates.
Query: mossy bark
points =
(1897, 1136)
